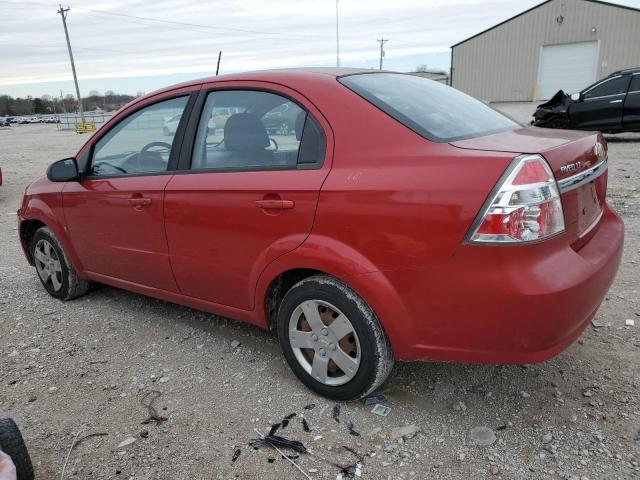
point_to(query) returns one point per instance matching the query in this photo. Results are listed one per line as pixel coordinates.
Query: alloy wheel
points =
(48, 264)
(324, 342)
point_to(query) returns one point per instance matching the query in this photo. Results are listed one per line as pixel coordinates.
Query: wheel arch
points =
(43, 218)
(374, 288)
(28, 229)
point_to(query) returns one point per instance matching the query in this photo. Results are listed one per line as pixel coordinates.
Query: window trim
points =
(186, 152)
(584, 92)
(631, 82)
(176, 145)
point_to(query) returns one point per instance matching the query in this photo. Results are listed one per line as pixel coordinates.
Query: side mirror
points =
(65, 170)
(576, 97)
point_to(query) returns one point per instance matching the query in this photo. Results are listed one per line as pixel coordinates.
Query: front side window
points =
(252, 130)
(614, 86)
(435, 111)
(141, 143)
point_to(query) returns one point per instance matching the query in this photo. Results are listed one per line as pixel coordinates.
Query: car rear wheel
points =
(332, 340)
(56, 273)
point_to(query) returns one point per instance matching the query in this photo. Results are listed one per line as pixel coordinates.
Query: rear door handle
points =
(275, 204)
(615, 101)
(139, 202)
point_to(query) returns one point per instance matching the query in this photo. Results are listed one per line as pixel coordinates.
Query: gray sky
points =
(115, 48)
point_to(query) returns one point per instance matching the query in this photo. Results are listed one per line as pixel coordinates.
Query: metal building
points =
(559, 44)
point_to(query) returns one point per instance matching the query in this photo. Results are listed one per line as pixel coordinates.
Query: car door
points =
(245, 197)
(115, 214)
(600, 106)
(631, 116)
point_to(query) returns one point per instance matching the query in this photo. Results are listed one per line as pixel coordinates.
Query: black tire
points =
(376, 356)
(12, 443)
(72, 286)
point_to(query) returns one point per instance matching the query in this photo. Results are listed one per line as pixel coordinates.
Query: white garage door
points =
(569, 67)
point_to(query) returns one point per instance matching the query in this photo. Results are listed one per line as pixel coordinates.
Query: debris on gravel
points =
(406, 432)
(482, 436)
(126, 442)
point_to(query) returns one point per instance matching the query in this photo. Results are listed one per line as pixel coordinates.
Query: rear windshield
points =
(433, 110)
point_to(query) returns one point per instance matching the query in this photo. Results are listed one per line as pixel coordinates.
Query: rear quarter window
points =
(435, 111)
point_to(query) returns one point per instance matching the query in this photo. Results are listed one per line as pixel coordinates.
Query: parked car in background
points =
(438, 229)
(281, 120)
(171, 125)
(4, 122)
(610, 105)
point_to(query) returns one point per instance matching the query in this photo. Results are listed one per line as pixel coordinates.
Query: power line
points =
(197, 25)
(58, 47)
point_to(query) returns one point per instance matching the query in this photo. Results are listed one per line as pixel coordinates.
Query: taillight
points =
(524, 207)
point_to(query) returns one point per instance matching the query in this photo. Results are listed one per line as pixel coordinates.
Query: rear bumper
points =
(520, 304)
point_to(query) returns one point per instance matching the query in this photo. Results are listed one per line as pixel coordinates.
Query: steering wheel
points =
(148, 147)
(275, 144)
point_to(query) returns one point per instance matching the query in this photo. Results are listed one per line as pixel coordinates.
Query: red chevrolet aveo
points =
(367, 217)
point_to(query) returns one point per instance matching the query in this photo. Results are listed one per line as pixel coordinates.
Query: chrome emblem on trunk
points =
(571, 167)
(598, 150)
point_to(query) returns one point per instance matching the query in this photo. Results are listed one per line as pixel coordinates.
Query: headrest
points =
(302, 116)
(245, 131)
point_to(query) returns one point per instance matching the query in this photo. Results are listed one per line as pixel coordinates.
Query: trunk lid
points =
(568, 153)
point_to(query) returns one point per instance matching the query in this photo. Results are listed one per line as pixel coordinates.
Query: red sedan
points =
(399, 219)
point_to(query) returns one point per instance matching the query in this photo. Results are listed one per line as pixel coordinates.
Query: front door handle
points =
(275, 204)
(139, 202)
(615, 101)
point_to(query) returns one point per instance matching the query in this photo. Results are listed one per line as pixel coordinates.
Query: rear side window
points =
(255, 130)
(635, 83)
(615, 86)
(437, 112)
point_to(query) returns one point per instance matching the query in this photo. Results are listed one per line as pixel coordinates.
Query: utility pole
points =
(63, 14)
(337, 38)
(382, 42)
(218, 66)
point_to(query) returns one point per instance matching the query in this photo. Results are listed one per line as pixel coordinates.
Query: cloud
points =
(115, 39)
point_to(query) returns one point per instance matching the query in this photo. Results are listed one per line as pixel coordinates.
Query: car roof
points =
(626, 70)
(288, 76)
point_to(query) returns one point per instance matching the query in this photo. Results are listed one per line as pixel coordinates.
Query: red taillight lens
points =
(526, 207)
(532, 171)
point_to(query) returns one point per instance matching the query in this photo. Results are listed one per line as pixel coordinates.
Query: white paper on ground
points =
(7, 468)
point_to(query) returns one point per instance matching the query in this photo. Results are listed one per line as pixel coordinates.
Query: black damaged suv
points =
(611, 105)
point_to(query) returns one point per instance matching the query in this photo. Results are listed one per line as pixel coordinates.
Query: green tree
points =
(39, 106)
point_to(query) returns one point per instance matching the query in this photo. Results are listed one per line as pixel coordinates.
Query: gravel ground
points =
(83, 366)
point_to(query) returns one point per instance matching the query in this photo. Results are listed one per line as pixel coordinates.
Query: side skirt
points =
(198, 304)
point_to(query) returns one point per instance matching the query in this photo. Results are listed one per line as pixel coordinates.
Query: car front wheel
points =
(332, 340)
(56, 273)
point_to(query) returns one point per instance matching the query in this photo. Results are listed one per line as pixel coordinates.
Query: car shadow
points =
(424, 385)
